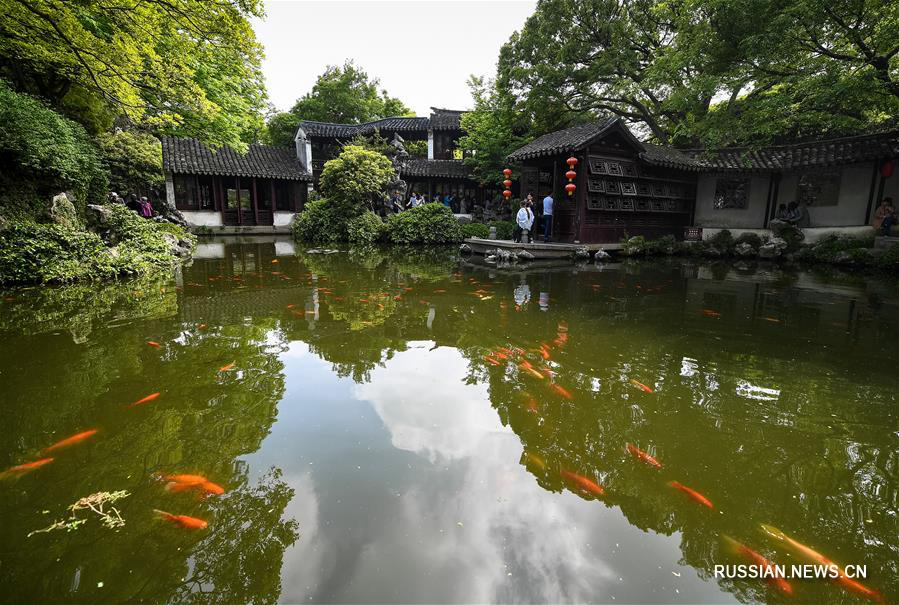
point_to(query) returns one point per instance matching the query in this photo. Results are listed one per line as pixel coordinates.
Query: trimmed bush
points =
(320, 221)
(889, 260)
(357, 179)
(723, 240)
(426, 224)
(367, 228)
(475, 230)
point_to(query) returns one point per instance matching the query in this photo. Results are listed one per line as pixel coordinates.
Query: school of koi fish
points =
(532, 362)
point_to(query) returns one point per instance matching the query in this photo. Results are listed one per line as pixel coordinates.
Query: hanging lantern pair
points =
(886, 169)
(571, 175)
(507, 183)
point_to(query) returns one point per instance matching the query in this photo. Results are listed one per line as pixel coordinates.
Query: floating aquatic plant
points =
(95, 503)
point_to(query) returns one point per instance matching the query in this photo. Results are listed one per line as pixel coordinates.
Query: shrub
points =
(320, 221)
(663, 245)
(723, 240)
(504, 229)
(44, 153)
(475, 230)
(889, 260)
(633, 246)
(426, 224)
(366, 228)
(51, 253)
(133, 159)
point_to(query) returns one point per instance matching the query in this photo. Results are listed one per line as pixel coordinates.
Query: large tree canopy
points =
(707, 71)
(342, 94)
(189, 67)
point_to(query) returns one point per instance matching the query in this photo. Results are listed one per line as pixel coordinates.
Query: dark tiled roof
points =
(454, 169)
(846, 150)
(446, 119)
(190, 156)
(669, 157)
(346, 131)
(561, 141)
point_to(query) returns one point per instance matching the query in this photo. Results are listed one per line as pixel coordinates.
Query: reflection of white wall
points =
(209, 250)
(202, 218)
(285, 248)
(282, 219)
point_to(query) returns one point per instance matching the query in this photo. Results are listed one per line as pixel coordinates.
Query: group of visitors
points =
(526, 217)
(140, 205)
(459, 205)
(884, 216)
(794, 213)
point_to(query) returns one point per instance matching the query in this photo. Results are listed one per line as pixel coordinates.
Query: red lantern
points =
(507, 194)
(507, 183)
(570, 187)
(507, 172)
(571, 175)
(886, 169)
(572, 162)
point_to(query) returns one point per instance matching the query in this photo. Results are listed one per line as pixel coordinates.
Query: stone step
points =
(884, 242)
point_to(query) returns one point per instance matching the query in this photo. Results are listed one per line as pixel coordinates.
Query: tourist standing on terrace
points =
(525, 220)
(548, 218)
(884, 216)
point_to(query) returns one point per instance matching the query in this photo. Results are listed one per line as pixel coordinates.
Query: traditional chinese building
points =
(625, 187)
(259, 191)
(441, 173)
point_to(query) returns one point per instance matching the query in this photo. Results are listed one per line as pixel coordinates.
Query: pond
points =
(409, 426)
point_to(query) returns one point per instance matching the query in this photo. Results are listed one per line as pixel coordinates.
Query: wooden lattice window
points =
(731, 193)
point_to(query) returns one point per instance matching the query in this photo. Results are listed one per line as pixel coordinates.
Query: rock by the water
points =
(582, 253)
(490, 258)
(465, 249)
(744, 250)
(773, 248)
(525, 255)
(602, 256)
(62, 211)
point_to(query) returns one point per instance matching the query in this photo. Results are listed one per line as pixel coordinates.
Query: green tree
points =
(342, 94)
(181, 66)
(712, 71)
(356, 180)
(133, 159)
(492, 131)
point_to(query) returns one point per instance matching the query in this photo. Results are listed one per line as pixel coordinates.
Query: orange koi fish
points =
(225, 368)
(153, 344)
(813, 555)
(184, 521)
(274, 261)
(692, 493)
(641, 386)
(535, 460)
(491, 360)
(145, 399)
(544, 351)
(24, 468)
(643, 456)
(561, 391)
(710, 313)
(439, 291)
(212, 488)
(72, 440)
(747, 553)
(186, 479)
(584, 484)
(524, 365)
(201, 326)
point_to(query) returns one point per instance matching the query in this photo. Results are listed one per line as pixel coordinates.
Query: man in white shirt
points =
(547, 218)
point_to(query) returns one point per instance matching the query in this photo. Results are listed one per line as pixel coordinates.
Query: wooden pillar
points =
(274, 203)
(239, 209)
(255, 198)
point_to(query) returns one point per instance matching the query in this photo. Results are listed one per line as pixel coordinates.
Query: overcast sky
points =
(422, 51)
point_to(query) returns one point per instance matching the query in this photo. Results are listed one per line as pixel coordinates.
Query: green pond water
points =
(408, 426)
